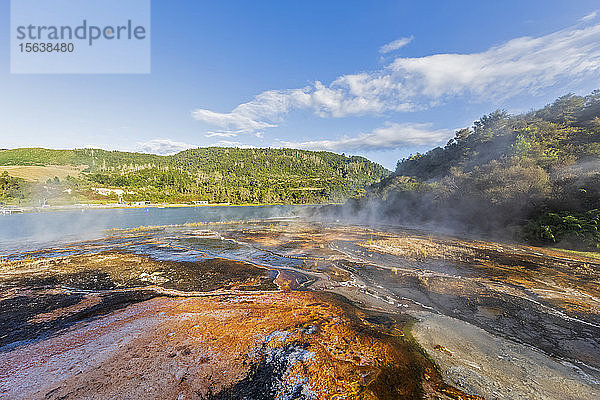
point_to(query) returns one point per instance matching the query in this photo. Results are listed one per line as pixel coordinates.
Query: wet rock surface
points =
(296, 310)
(284, 345)
(478, 362)
(37, 316)
(536, 298)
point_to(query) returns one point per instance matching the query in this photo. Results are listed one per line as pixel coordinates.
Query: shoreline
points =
(9, 210)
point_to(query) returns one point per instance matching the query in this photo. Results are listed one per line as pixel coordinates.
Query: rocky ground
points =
(255, 346)
(479, 362)
(293, 310)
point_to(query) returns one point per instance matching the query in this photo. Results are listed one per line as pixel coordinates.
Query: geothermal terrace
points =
(285, 309)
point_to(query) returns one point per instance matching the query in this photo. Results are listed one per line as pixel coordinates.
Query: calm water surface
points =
(19, 232)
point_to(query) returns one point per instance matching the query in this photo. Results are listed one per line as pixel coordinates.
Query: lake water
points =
(19, 232)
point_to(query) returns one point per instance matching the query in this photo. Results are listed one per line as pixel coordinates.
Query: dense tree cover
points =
(13, 189)
(216, 175)
(575, 228)
(537, 173)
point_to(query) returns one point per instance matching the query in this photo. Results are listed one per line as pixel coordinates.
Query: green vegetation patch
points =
(216, 175)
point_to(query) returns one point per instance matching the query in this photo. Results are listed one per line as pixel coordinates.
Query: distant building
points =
(7, 210)
(108, 192)
(140, 203)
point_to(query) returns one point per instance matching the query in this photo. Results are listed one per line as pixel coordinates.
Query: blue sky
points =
(380, 79)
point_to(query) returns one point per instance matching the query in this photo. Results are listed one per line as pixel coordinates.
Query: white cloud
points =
(163, 146)
(522, 65)
(390, 136)
(168, 147)
(227, 143)
(348, 95)
(395, 45)
(234, 120)
(589, 17)
(221, 134)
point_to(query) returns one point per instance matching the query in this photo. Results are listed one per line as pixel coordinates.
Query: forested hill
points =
(534, 175)
(213, 174)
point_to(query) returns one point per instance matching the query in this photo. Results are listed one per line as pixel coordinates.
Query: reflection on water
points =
(29, 231)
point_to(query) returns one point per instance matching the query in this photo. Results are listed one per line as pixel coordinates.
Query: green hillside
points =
(534, 176)
(212, 174)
